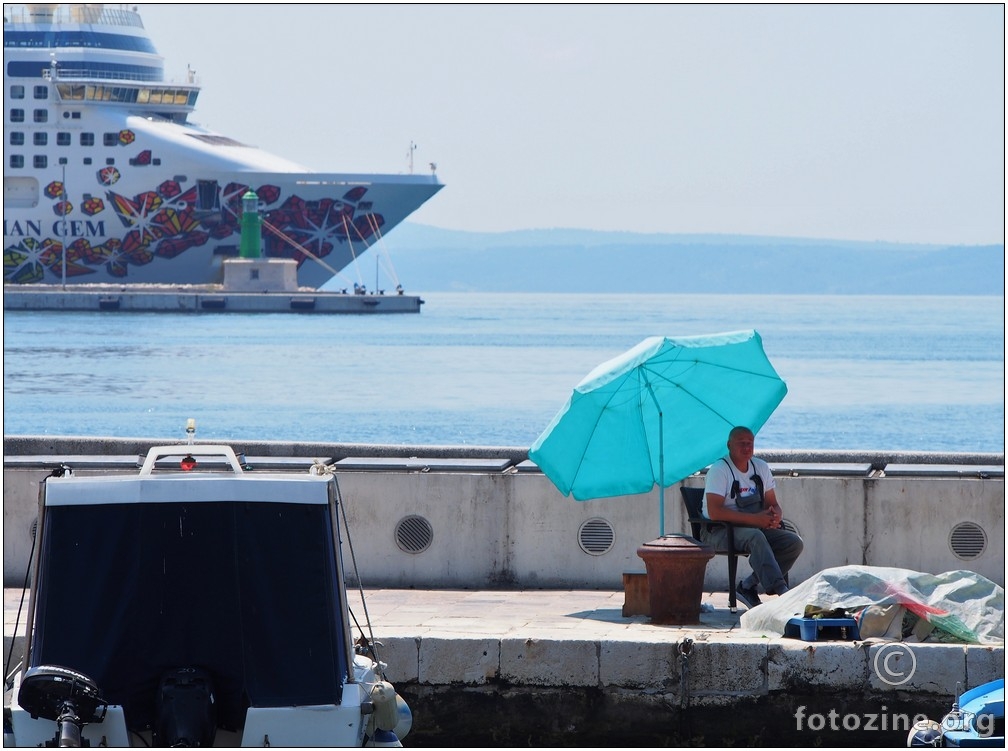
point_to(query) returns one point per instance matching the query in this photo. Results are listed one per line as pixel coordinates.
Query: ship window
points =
(110, 161)
(16, 161)
(87, 139)
(17, 138)
(70, 91)
(87, 160)
(207, 195)
(41, 92)
(41, 139)
(41, 162)
(17, 116)
(156, 162)
(41, 116)
(110, 139)
(75, 115)
(62, 138)
(17, 91)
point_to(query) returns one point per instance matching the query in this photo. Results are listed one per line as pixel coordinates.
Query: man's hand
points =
(775, 517)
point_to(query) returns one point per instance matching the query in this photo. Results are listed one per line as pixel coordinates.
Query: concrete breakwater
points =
(492, 667)
(168, 298)
(565, 667)
(497, 601)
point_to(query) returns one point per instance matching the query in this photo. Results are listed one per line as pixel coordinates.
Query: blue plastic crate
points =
(822, 629)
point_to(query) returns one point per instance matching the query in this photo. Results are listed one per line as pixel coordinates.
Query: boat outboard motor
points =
(186, 709)
(68, 698)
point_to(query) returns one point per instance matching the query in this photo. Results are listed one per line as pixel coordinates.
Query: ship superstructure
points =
(107, 181)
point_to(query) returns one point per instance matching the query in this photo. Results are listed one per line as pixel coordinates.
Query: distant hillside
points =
(431, 259)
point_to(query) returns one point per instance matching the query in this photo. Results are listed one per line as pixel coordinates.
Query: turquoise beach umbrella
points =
(656, 414)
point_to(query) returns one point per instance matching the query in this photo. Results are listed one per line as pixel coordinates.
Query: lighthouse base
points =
(260, 275)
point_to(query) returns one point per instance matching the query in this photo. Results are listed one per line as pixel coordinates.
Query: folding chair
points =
(693, 501)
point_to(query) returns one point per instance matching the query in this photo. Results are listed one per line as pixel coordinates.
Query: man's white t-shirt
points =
(723, 473)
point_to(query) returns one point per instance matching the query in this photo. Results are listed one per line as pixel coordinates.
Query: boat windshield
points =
(246, 590)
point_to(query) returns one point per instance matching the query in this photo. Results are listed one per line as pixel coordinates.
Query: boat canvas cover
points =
(236, 575)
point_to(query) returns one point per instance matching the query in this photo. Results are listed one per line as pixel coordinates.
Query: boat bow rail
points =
(190, 451)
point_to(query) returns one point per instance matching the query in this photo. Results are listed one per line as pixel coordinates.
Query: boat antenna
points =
(371, 643)
(412, 148)
(61, 471)
(8, 674)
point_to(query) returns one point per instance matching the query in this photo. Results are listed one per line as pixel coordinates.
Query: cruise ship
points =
(106, 180)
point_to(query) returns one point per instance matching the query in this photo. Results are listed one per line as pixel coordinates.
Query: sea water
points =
(891, 373)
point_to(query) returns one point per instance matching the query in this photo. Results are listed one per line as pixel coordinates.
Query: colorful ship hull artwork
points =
(100, 156)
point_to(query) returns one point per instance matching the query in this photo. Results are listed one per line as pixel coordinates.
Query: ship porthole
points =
(967, 540)
(596, 536)
(414, 534)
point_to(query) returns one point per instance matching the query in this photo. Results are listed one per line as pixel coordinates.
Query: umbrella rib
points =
(659, 376)
(598, 419)
(677, 356)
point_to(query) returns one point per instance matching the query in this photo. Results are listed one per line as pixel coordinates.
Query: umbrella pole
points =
(661, 476)
(661, 460)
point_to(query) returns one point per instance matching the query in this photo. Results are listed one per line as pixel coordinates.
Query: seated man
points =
(740, 490)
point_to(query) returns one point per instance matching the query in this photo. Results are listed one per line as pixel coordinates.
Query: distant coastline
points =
(565, 260)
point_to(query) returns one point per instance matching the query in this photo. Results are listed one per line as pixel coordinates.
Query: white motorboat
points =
(197, 602)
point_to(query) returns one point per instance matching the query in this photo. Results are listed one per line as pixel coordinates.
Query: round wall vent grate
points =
(414, 534)
(968, 540)
(596, 536)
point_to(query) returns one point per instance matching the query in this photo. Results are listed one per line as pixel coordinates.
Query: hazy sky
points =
(855, 122)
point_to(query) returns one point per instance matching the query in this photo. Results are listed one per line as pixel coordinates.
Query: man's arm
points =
(768, 518)
(770, 503)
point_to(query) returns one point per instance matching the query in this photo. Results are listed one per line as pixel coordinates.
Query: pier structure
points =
(269, 292)
(500, 611)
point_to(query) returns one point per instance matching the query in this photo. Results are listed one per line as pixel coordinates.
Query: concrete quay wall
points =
(737, 691)
(167, 298)
(550, 667)
(486, 517)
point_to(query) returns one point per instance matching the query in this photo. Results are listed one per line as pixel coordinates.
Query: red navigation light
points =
(187, 462)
